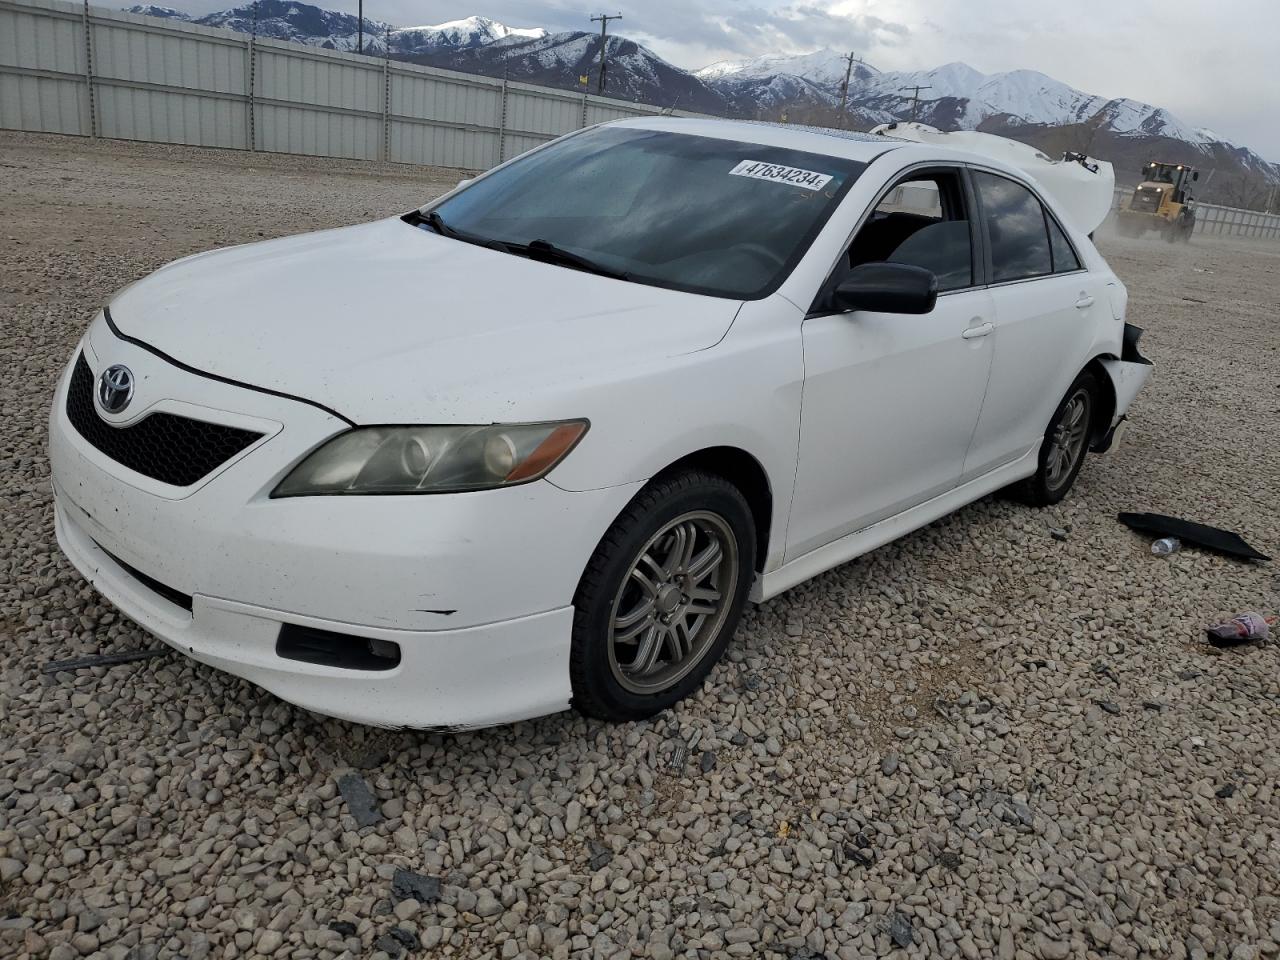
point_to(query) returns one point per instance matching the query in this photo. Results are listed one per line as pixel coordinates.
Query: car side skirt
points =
(891, 528)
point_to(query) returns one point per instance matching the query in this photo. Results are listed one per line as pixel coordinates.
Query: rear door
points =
(891, 400)
(1044, 307)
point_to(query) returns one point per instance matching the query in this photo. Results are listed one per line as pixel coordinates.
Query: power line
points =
(844, 90)
(915, 98)
(603, 20)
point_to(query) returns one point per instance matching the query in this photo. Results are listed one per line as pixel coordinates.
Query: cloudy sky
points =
(1212, 65)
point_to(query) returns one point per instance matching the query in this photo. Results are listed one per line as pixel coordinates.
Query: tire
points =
(633, 600)
(1054, 478)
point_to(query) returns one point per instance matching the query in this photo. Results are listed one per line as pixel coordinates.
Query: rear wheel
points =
(1066, 442)
(661, 596)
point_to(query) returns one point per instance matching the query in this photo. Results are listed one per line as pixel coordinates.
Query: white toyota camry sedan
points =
(535, 444)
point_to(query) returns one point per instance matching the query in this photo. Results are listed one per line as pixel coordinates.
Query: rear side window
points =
(1016, 225)
(1064, 258)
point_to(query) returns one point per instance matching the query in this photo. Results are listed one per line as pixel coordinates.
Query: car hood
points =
(386, 322)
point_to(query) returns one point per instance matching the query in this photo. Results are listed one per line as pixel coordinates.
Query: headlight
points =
(431, 459)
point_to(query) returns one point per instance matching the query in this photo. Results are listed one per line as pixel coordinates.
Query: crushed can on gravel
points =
(1245, 628)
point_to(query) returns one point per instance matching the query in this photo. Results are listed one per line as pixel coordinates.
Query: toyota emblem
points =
(115, 388)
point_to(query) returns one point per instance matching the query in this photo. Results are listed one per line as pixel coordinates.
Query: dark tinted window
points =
(1016, 225)
(1064, 258)
(710, 216)
(921, 222)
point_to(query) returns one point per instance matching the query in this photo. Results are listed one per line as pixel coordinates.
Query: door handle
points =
(1085, 302)
(981, 330)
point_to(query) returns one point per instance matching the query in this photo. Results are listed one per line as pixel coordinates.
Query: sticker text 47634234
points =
(776, 173)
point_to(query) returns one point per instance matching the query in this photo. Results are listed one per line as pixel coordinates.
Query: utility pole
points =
(915, 99)
(844, 90)
(360, 29)
(604, 19)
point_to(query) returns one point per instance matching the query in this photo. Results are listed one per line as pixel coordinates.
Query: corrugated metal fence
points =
(1223, 221)
(66, 68)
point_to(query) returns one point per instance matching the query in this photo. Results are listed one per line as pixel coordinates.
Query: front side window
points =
(718, 217)
(1016, 227)
(921, 221)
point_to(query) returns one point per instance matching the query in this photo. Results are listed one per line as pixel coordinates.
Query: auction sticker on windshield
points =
(780, 174)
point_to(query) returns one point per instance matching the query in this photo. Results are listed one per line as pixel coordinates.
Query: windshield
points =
(709, 216)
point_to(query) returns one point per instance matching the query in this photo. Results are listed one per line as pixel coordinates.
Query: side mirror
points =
(887, 288)
(463, 182)
(1195, 174)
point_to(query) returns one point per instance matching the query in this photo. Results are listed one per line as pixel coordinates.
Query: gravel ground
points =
(983, 740)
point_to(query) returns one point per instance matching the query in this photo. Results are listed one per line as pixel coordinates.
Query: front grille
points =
(162, 446)
(1145, 201)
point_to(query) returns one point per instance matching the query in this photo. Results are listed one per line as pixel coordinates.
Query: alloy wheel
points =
(1068, 441)
(673, 602)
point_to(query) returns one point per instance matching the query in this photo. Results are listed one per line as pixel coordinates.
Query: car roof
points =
(850, 144)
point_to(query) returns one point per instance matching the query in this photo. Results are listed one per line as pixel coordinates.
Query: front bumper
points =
(472, 677)
(474, 588)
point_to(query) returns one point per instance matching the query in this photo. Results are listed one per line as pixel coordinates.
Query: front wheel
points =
(1065, 444)
(661, 596)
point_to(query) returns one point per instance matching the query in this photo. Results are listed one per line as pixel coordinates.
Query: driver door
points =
(891, 401)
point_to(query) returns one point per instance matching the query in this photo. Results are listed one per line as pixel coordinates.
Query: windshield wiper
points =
(542, 250)
(436, 223)
(548, 252)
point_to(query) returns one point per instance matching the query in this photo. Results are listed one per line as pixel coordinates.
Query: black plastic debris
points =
(900, 930)
(708, 761)
(407, 885)
(1211, 538)
(1224, 791)
(360, 799)
(343, 928)
(103, 660)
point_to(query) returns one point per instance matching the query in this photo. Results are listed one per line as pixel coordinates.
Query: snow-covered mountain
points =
(562, 59)
(459, 35)
(1020, 103)
(334, 30)
(823, 67)
(1024, 104)
(151, 10)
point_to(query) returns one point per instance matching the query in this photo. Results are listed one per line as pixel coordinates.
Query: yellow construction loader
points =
(1161, 202)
